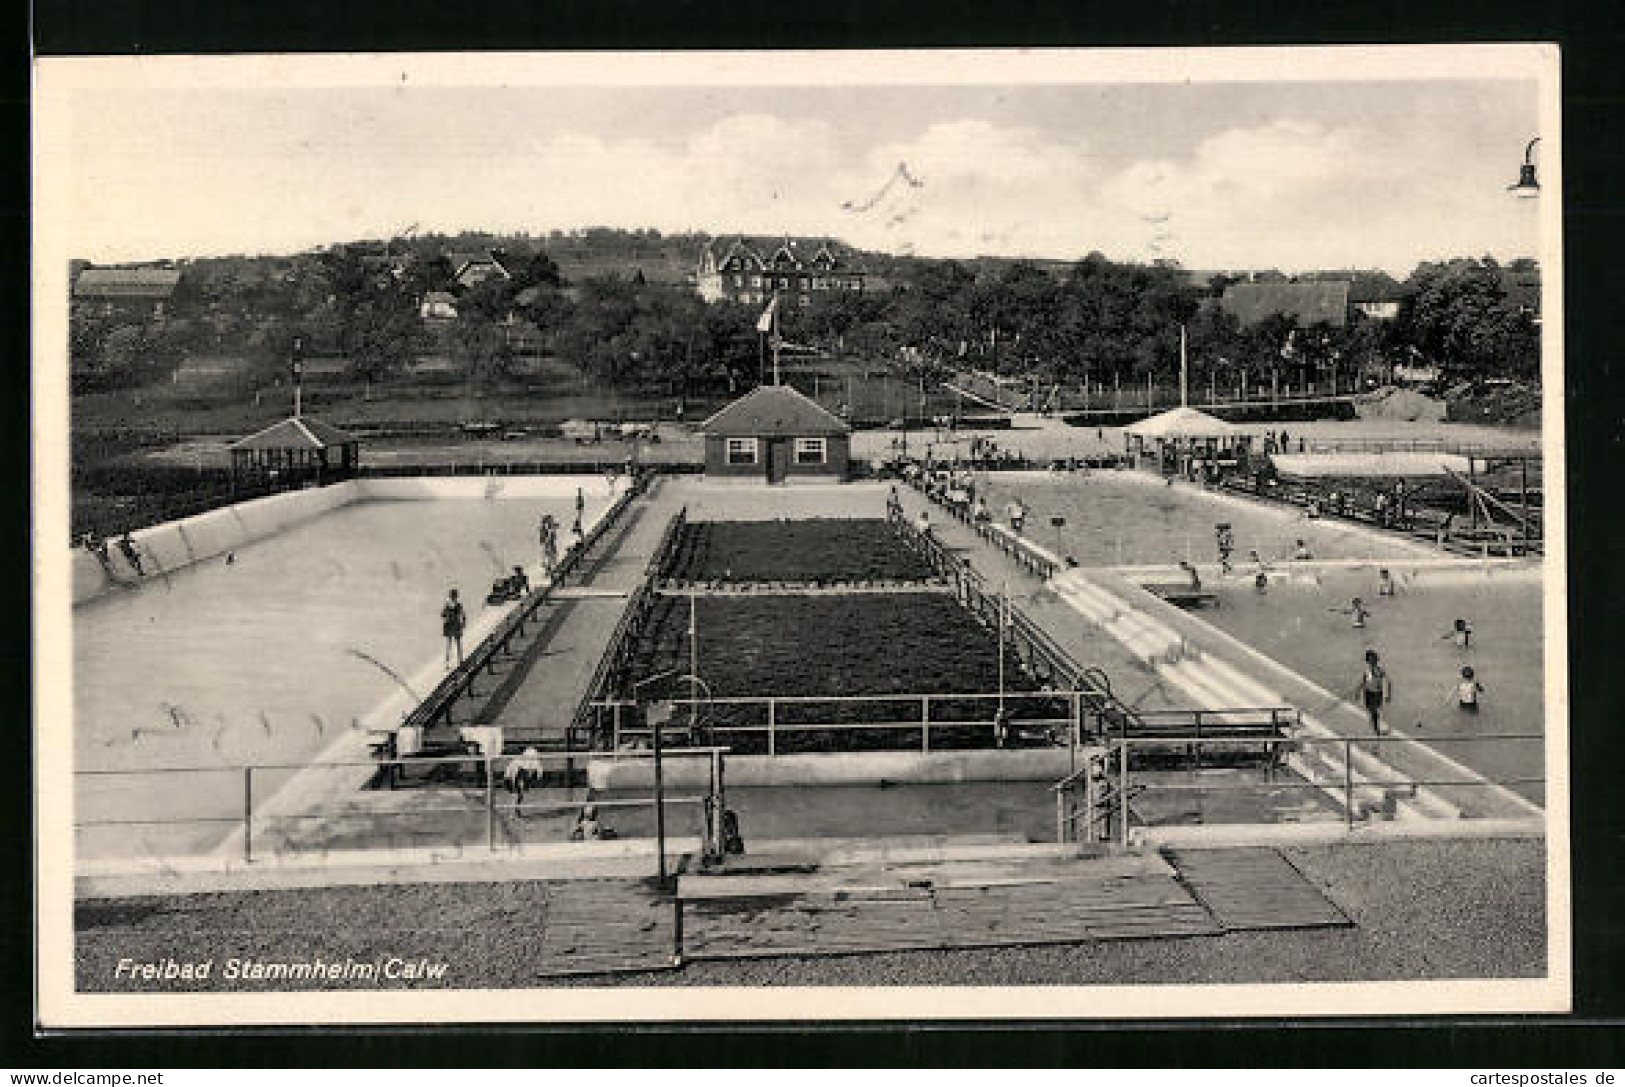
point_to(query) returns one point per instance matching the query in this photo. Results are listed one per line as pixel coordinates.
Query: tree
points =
(1460, 317)
(385, 334)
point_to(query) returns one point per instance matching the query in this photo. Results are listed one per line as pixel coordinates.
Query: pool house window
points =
(810, 451)
(741, 450)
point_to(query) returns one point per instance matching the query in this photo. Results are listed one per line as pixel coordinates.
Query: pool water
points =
(1293, 623)
(1119, 518)
(271, 658)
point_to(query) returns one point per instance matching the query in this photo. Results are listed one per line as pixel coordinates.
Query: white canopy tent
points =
(1182, 423)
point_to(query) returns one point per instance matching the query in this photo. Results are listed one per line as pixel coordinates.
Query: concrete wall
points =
(175, 545)
(837, 768)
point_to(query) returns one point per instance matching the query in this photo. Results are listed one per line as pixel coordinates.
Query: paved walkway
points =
(1132, 680)
(541, 691)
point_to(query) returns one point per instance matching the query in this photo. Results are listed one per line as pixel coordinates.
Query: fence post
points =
(1060, 816)
(676, 929)
(490, 803)
(1122, 792)
(1348, 781)
(772, 727)
(925, 723)
(248, 813)
(615, 721)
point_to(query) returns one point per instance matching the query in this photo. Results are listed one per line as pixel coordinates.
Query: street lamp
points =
(1528, 185)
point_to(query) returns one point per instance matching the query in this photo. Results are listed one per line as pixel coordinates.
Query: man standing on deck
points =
(452, 622)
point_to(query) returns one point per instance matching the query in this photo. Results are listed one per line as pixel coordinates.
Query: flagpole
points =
(1184, 394)
(776, 339)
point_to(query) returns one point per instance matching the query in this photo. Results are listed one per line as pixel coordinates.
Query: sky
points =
(1215, 175)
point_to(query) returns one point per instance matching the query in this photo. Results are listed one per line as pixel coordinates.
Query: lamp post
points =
(1527, 187)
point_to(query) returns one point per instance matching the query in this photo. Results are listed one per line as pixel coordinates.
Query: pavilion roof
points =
(297, 432)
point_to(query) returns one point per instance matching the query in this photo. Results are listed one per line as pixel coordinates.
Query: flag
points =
(769, 316)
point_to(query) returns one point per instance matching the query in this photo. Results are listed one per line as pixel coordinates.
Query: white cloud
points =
(172, 177)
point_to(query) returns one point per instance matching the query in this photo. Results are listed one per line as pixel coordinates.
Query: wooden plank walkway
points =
(600, 926)
(1254, 889)
(867, 916)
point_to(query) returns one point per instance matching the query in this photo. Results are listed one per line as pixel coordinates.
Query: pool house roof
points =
(1181, 423)
(298, 432)
(772, 410)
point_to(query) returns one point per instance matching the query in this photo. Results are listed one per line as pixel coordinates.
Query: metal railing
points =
(782, 724)
(473, 768)
(438, 707)
(1101, 791)
(1011, 543)
(623, 639)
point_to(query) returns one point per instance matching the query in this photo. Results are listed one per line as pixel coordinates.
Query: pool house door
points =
(778, 459)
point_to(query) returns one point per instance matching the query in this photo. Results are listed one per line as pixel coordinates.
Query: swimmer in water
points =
(1356, 613)
(1385, 583)
(1460, 632)
(1467, 691)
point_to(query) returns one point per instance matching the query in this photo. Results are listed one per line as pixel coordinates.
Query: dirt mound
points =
(1406, 405)
(1508, 403)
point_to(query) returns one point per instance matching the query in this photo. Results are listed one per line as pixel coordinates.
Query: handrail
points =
(637, 608)
(460, 680)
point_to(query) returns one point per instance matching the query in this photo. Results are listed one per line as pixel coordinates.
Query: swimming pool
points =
(277, 655)
(1117, 518)
(1293, 624)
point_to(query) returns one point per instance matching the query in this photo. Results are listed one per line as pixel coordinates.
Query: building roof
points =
(299, 432)
(773, 410)
(460, 261)
(1181, 423)
(441, 296)
(145, 283)
(1306, 303)
(825, 258)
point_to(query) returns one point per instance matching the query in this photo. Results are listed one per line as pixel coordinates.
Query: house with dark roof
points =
(1310, 303)
(472, 268)
(775, 434)
(745, 271)
(299, 447)
(126, 288)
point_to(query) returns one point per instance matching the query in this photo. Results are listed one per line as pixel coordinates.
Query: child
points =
(1301, 552)
(1375, 689)
(1385, 583)
(1356, 613)
(1467, 691)
(1461, 633)
(452, 621)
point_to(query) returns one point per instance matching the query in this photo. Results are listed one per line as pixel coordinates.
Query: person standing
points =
(452, 622)
(1468, 690)
(127, 546)
(1375, 689)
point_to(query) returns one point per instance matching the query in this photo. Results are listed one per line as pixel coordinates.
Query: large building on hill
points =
(743, 271)
(129, 290)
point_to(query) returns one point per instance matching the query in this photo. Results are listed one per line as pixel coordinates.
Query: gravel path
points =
(1434, 909)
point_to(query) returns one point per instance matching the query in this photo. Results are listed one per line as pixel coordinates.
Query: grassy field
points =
(817, 552)
(881, 644)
